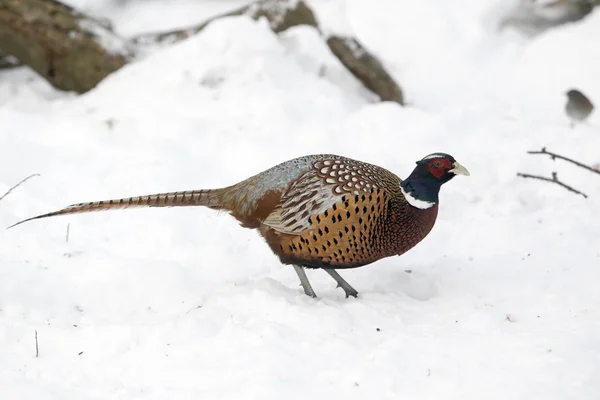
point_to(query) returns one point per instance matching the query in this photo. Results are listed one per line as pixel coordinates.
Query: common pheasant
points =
(321, 211)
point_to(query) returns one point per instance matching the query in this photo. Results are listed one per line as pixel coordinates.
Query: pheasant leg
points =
(349, 290)
(308, 290)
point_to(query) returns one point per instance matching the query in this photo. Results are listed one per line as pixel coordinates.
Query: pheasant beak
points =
(459, 169)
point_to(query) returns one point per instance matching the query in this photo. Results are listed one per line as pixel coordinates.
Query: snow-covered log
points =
(75, 52)
(536, 16)
(365, 67)
(284, 14)
(71, 50)
(281, 14)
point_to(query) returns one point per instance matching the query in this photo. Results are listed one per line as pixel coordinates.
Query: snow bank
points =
(501, 301)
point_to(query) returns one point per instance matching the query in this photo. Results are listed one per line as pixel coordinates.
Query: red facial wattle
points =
(438, 166)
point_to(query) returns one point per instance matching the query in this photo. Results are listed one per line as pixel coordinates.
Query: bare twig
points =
(554, 179)
(554, 156)
(37, 350)
(67, 236)
(17, 185)
(191, 309)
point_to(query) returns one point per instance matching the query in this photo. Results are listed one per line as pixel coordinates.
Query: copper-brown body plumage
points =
(319, 211)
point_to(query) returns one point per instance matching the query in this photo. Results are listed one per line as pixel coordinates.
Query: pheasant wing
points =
(319, 189)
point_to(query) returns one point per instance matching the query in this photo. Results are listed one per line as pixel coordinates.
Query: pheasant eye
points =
(437, 164)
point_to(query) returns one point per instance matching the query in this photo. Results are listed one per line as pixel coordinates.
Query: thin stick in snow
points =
(554, 179)
(37, 350)
(17, 185)
(554, 156)
(67, 235)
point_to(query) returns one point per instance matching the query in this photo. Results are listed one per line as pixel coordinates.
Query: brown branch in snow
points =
(554, 156)
(554, 179)
(17, 185)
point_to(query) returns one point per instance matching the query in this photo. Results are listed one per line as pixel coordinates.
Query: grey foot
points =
(349, 290)
(308, 290)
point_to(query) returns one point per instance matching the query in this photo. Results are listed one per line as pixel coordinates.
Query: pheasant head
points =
(422, 186)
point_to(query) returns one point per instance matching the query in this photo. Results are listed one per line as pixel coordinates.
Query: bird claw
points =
(349, 292)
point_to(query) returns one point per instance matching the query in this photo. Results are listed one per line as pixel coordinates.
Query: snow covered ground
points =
(502, 301)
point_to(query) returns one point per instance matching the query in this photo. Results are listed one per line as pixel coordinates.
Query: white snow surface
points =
(502, 298)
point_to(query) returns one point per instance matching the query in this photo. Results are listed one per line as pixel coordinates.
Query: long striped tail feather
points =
(191, 198)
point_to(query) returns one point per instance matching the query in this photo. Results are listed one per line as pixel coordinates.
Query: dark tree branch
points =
(554, 156)
(554, 179)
